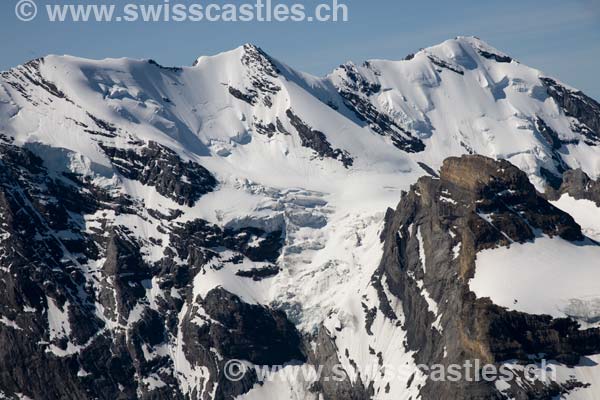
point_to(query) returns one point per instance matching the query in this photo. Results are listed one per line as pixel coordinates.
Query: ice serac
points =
(157, 222)
(431, 245)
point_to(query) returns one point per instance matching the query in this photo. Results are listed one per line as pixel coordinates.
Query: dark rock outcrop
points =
(237, 331)
(271, 129)
(443, 65)
(478, 203)
(56, 331)
(249, 96)
(23, 77)
(578, 185)
(76, 318)
(579, 106)
(253, 243)
(158, 166)
(123, 271)
(317, 141)
(259, 274)
(334, 384)
(262, 73)
(250, 332)
(494, 56)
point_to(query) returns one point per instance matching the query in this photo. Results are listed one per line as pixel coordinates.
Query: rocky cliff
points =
(431, 244)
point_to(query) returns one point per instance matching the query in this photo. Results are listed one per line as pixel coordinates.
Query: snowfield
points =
(585, 212)
(549, 276)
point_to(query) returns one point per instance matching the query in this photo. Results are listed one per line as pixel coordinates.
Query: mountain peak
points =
(481, 47)
(238, 52)
(250, 47)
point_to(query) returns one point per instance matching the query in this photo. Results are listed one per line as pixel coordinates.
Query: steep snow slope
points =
(314, 160)
(464, 96)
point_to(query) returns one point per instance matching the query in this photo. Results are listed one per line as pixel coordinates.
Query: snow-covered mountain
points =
(157, 222)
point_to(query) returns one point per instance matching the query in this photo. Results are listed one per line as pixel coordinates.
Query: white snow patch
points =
(58, 320)
(422, 249)
(153, 382)
(290, 383)
(10, 323)
(543, 277)
(585, 213)
(456, 250)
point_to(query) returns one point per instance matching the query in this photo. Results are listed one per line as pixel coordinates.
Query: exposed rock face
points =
(239, 331)
(249, 96)
(199, 234)
(577, 105)
(160, 167)
(261, 73)
(27, 74)
(578, 185)
(250, 332)
(323, 353)
(503, 192)
(270, 129)
(444, 65)
(318, 141)
(45, 293)
(123, 272)
(556, 144)
(431, 242)
(501, 58)
(91, 332)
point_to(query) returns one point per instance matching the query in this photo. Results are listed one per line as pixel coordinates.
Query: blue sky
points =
(561, 38)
